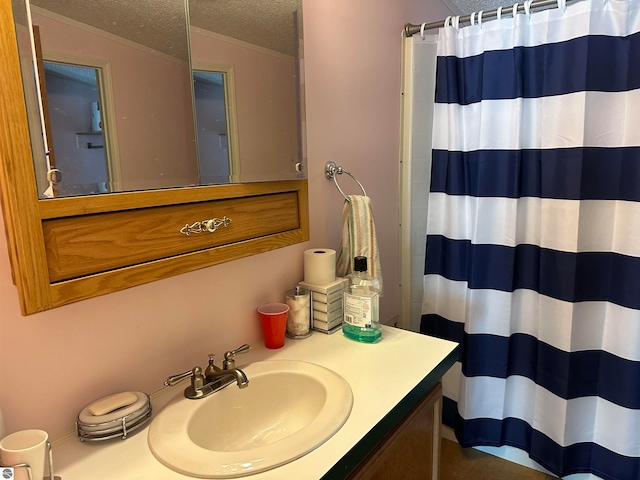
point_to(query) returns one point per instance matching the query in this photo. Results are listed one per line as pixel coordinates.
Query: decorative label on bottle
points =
(358, 309)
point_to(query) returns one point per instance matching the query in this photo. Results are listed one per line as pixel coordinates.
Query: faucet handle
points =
(173, 379)
(229, 357)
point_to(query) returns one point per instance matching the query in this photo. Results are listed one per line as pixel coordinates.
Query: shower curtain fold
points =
(533, 235)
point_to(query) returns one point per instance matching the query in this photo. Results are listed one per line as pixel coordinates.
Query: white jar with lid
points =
(299, 319)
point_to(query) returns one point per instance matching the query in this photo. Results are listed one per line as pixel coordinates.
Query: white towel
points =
(358, 238)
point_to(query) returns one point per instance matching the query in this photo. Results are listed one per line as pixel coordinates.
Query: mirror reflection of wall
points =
(73, 98)
(216, 154)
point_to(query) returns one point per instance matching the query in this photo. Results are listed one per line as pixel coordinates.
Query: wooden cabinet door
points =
(412, 450)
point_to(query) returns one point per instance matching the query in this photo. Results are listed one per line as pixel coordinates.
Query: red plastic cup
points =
(273, 318)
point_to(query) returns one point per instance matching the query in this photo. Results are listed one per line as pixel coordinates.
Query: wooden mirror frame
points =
(275, 215)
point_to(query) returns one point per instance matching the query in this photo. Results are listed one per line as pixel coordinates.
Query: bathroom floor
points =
(470, 464)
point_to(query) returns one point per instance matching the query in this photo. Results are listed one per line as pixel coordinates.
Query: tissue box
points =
(327, 304)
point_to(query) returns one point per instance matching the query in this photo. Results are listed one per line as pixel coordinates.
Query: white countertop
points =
(381, 375)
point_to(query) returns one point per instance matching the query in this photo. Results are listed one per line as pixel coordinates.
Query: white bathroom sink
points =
(288, 409)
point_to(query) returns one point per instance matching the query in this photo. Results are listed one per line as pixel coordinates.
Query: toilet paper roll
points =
(319, 266)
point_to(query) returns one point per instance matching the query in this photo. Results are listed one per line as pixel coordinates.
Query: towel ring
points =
(331, 170)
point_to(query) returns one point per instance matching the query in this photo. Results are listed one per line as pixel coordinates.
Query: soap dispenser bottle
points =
(360, 305)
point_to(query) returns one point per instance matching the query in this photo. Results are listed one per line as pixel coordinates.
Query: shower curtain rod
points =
(410, 29)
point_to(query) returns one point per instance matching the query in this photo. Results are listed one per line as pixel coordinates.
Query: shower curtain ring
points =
(499, 13)
(472, 19)
(527, 8)
(446, 21)
(455, 21)
(424, 24)
(480, 18)
(514, 10)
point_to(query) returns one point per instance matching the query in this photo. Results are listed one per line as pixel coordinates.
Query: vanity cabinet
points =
(411, 451)
(393, 430)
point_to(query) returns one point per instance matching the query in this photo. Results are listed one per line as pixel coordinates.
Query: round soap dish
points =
(118, 424)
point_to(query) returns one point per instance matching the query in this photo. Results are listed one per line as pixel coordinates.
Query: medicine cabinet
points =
(67, 249)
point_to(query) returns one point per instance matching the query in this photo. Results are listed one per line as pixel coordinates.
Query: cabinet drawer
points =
(81, 246)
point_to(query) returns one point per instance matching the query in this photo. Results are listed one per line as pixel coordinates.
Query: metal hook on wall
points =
(331, 170)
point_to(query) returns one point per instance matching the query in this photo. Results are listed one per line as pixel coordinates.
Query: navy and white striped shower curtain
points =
(533, 234)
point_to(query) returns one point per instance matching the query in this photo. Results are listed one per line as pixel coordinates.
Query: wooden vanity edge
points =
(361, 450)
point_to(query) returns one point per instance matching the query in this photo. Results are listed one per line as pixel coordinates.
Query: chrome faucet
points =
(213, 378)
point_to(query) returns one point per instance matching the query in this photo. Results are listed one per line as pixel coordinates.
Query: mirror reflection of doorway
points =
(75, 112)
(215, 119)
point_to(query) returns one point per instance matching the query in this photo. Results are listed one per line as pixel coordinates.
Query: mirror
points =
(254, 46)
(184, 94)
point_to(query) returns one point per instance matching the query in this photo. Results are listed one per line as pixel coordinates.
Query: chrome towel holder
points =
(331, 170)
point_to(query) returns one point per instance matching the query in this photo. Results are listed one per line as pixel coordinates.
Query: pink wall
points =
(54, 363)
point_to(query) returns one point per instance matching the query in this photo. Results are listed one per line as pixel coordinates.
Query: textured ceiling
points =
(84, 75)
(161, 24)
(269, 24)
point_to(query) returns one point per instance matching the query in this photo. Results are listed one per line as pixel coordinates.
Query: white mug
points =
(26, 447)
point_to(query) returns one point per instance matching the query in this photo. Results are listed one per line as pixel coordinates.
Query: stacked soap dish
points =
(115, 416)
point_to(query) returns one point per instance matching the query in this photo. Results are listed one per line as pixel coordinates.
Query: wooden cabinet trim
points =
(19, 191)
(71, 206)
